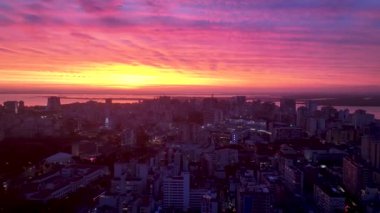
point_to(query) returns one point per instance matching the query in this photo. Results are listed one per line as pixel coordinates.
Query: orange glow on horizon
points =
(117, 76)
(120, 76)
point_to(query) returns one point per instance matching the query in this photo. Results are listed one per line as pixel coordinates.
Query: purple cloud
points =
(94, 6)
(204, 36)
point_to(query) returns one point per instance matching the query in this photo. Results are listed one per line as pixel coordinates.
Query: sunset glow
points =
(113, 76)
(246, 45)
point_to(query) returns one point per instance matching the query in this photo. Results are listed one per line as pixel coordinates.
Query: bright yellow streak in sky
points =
(113, 76)
(129, 76)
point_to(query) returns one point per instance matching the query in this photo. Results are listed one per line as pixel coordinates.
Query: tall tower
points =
(107, 121)
(288, 111)
(302, 114)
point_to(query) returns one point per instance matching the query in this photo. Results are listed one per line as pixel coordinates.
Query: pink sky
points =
(198, 45)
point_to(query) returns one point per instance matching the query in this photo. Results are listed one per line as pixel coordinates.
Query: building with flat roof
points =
(254, 198)
(53, 104)
(68, 180)
(329, 197)
(176, 190)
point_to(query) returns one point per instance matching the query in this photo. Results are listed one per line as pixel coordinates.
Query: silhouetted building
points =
(288, 106)
(11, 106)
(370, 150)
(53, 103)
(21, 106)
(315, 125)
(311, 106)
(288, 111)
(361, 118)
(240, 100)
(302, 115)
(107, 121)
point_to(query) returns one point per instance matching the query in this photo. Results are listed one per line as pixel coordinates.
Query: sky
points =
(190, 45)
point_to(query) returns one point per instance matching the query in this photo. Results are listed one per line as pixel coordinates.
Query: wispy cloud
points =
(274, 42)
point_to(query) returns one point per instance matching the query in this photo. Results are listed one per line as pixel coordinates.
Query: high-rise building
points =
(288, 105)
(209, 203)
(294, 178)
(21, 106)
(240, 100)
(370, 146)
(177, 192)
(196, 198)
(344, 115)
(355, 176)
(128, 137)
(254, 198)
(11, 106)
(53, 103)
(302, 115)
(329, 197)
(311, 106)
(341, 135)
(329, 112)
(370, 150)
(288, 111)
(361, 118)
(315, 125)
(107, 120)
(178, 162)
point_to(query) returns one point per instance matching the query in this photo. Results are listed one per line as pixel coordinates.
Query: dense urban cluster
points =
(188, 155)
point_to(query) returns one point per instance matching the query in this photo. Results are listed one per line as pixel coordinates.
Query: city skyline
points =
(196, 46)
